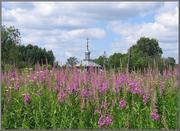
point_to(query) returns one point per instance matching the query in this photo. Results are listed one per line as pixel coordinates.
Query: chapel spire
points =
(87, 52)
(87, 44)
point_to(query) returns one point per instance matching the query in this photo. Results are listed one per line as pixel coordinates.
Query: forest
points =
(14, 54)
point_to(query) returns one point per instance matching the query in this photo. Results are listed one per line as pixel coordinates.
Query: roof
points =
(87, 63)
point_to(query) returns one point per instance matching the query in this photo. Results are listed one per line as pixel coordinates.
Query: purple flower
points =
(61, 96)
(16, 85)
(122, 104)
(145, 98)
(134, 88)
(27, 98)
(104, 87)
(108, 120)
(123, 79)
(101, 122)
(84, 92)
(13, 74)
(72, 88)
(104, 121)
(155, 116)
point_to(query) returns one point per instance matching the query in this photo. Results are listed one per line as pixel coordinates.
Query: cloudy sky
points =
(111, 26)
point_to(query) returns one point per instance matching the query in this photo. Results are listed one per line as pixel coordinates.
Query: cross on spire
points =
(87, 43)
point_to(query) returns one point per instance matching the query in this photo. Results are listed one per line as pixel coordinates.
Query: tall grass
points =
(81, 99)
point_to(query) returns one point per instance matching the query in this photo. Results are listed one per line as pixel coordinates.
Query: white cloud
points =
(58, 37)
(55, 14)
(68, 54)
(164, 29)
(72, 41)
(45, 9)
(169, 19)
(63, 26)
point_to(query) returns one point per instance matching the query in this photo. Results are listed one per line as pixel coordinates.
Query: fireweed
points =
(122, 104)
(27, 99)
(70, 97)
(104, 121)
(155, 116)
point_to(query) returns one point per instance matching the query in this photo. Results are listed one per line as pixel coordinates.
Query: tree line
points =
(145, 54)
(21, 56)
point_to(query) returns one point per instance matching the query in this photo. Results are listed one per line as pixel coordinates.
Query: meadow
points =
(70, 98)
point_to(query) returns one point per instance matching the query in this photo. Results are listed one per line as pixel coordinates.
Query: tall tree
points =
(10, 39)
(71, 61)
(144, 53)
(147, 47)
(19, 55)
(102, 60)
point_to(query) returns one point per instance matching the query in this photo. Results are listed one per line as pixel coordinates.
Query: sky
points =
(110, 26)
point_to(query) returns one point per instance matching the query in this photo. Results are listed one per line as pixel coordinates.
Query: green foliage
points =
(146, 53)
(30, 55)
(103, 61)
(7, 67)
(115, 59)
(146, 47)
(169, 62)
(71, 61)
(19, 55)
(10, 38)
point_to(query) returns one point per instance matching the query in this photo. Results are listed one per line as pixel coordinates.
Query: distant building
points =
(87, 62)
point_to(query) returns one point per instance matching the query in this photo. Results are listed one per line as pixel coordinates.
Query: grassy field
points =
(80, 99)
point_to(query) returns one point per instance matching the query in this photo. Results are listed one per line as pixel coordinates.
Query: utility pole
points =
(129, 60)
(104, 57)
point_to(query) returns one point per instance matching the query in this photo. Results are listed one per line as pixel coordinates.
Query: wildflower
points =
(61, 96)
(104, 121)
(101, 122)
(16, 85)
(145, 98)
(117, 85)
(134, 88)
(108, 120)
(104, 87)
(123, 79)
(155, 116)
(84, 92)
(34, 78)
(122, 104)
(27, 99)
(72, 88)
(13, 74)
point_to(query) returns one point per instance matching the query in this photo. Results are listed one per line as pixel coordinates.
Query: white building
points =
(87, 62)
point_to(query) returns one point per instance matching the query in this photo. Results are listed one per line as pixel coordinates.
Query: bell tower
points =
(87, 52)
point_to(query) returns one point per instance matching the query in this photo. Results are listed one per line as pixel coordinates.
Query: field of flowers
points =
(81, 99)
